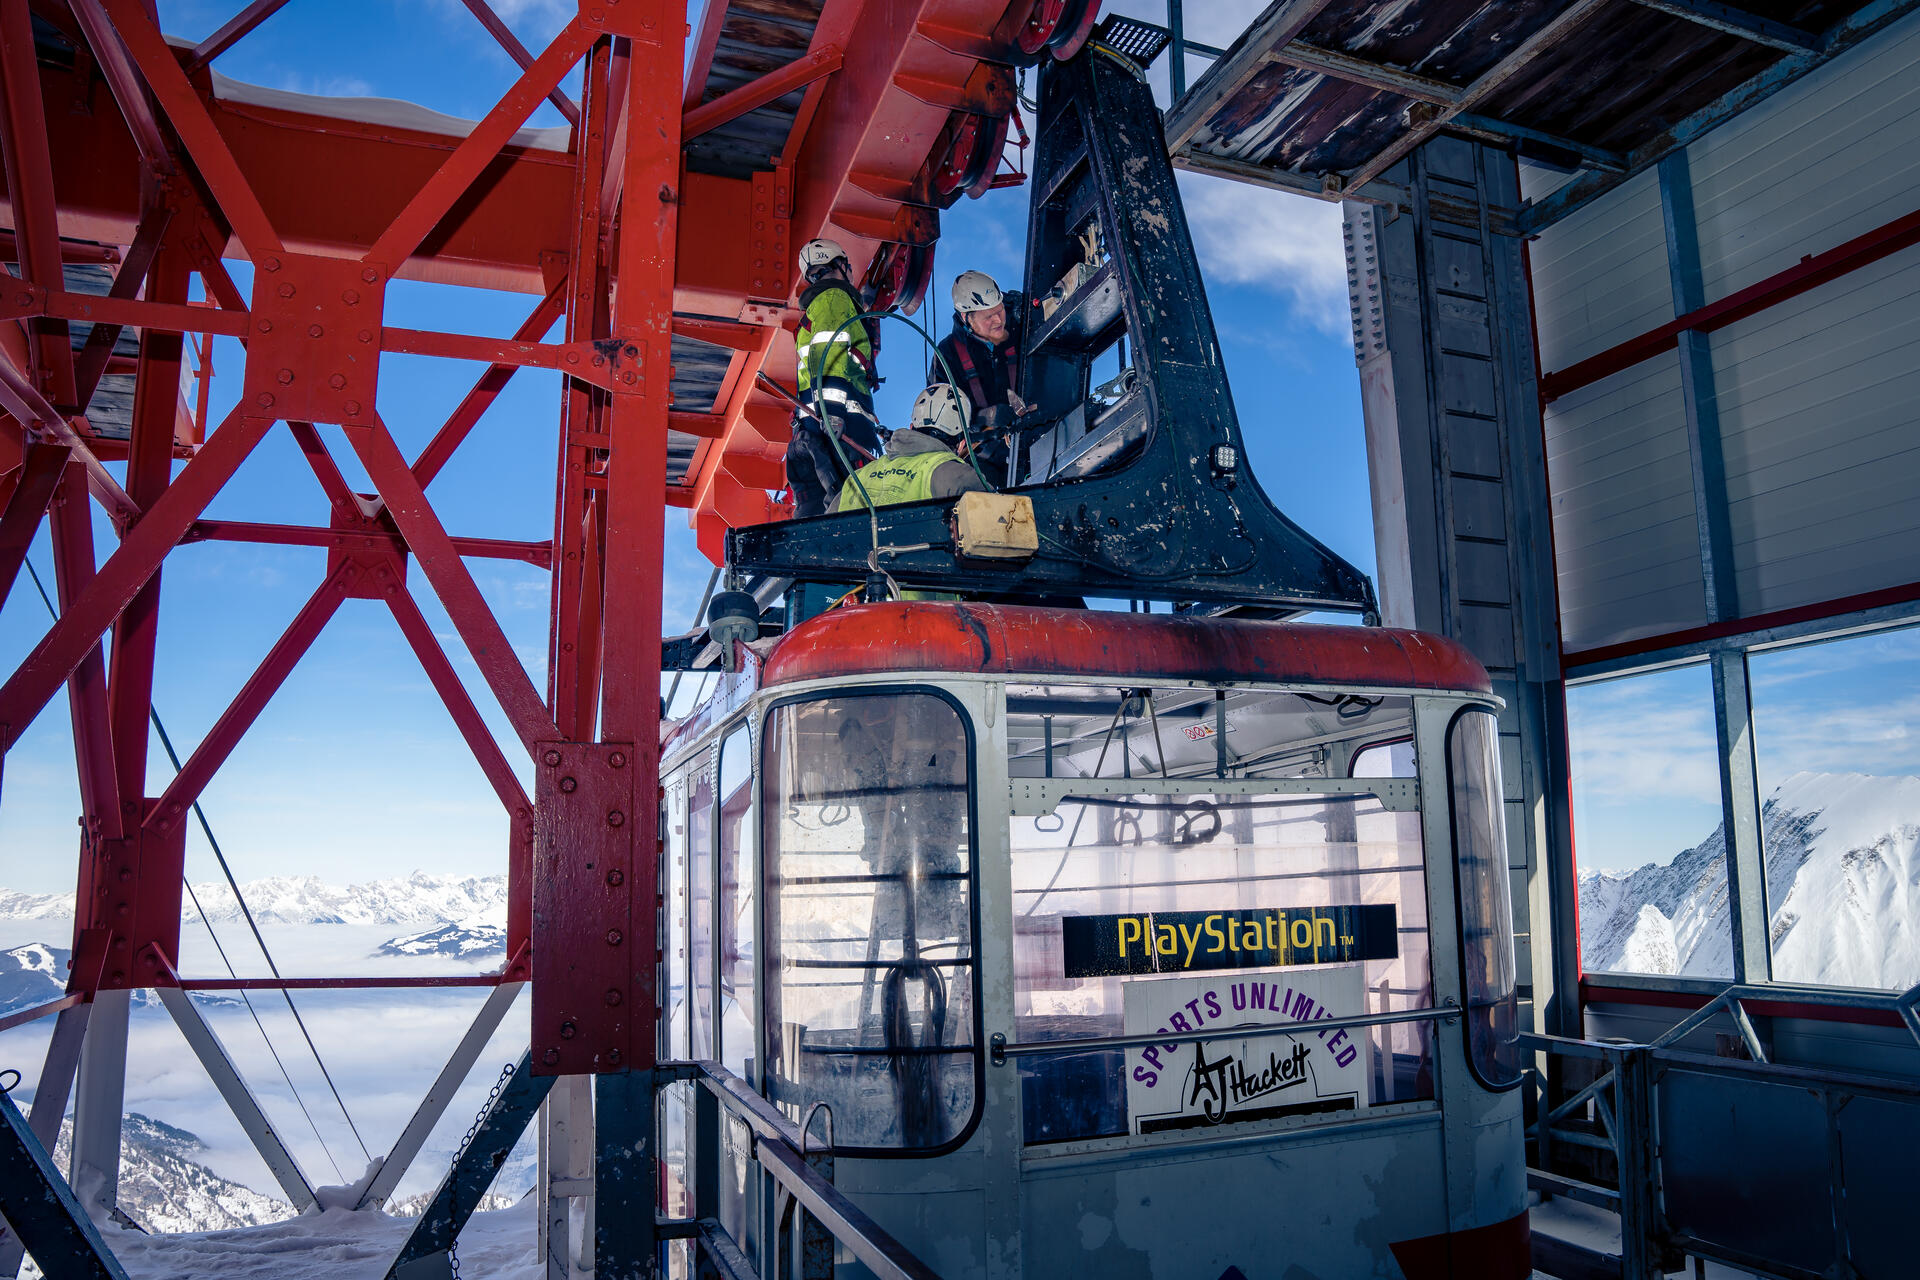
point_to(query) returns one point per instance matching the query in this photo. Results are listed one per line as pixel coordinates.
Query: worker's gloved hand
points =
(1020, 407)
(992, 418)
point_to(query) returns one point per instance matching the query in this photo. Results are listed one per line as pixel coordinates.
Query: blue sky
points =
(354, 771)
(1645, 782)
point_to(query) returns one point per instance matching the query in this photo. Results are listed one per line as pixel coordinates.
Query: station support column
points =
(1443, 333)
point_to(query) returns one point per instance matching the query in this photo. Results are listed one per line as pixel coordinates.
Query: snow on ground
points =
(338, 1244)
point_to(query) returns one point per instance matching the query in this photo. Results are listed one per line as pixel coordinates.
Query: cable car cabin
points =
(1011, 899)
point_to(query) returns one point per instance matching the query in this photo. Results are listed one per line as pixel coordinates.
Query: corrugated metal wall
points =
(1817, 398)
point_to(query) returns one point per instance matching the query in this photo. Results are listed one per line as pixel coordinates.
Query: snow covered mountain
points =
(289, 900)
(459, 940)
(164, 1188)
(31, 975)
(1843, 890)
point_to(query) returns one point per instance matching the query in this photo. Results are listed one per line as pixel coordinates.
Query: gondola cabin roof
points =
(1020, 640)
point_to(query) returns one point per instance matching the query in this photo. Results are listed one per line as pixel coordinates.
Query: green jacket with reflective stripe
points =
(829, 306)
(890, 480)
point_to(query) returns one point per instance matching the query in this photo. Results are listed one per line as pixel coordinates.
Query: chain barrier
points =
(453, 1195)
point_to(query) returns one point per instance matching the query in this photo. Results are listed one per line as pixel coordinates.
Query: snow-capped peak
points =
(1843, 891)
(414, 899)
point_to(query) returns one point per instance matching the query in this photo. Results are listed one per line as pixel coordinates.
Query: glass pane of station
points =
(1837, 746)
(1232, 870)
(1646, 781)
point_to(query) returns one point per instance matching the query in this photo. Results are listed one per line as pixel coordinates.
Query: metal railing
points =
(809, 1215)
(1669, 1185)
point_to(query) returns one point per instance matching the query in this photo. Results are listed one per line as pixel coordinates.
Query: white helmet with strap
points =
(975, 291)
(941, 411)
(816, 255)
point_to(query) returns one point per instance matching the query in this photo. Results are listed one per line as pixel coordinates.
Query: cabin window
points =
(1199, 900)
(867, 830)
(676, 1099)
(700, 900)
(737, 878)
(1486, 900)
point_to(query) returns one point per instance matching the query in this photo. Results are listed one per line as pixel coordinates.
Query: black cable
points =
(207, 830)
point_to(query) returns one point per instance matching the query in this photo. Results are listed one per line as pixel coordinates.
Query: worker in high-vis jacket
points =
(924, 459)
(836, 378)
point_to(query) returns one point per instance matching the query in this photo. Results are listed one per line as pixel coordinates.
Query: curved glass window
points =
(1486, 902)
(867, 839)
(1193, 899)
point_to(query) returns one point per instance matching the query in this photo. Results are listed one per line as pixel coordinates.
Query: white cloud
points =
(1289, 245)
(1631, 744)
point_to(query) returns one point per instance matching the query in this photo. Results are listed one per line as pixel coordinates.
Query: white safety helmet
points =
(816, 255)
(941, 411)
(975, 291)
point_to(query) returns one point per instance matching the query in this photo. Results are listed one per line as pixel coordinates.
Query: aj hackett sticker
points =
(1189, 941)
(1232, 1079)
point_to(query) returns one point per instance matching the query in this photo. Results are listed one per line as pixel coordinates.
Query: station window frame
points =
(767, 957)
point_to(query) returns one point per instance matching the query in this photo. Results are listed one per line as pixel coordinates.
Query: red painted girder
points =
(18, 397)
(339, 984)
(478, 149)
(73, 251)
(1096, 644)
(98, 351)
(128, 87)
(521, 58)
(231, 32)
(80, 627)
(319, 461)
(252, 699)
(484, 392)
(440, 561)
(73, 574)
(538, 554)
(29, 170)
(39, 1011)
(495, 236)
(818, 62)
(212, 159)
(38, 476)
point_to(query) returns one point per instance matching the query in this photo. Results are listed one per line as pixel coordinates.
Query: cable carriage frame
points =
(906, 945)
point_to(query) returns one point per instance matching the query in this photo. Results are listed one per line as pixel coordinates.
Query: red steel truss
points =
(616, 241)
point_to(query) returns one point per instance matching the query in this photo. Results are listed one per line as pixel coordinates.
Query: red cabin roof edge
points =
(1020, 640)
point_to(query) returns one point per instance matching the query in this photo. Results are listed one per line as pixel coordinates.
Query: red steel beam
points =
(522, 59)
(538, 554)
(128, 88)
(1809, 273)
(74, 251)
(197, 132)
(73, 573)
(232, 32)
(18, 397)
(39, 1011)
(440, 561)
(431, 203)
(252, 699)
(130, 662)
(339, 493)
(453, 694)
(334, 984)
(39, 477)
(485, 391)
(822, 61)
(80, 627)
(29, 168)
(98, 351)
